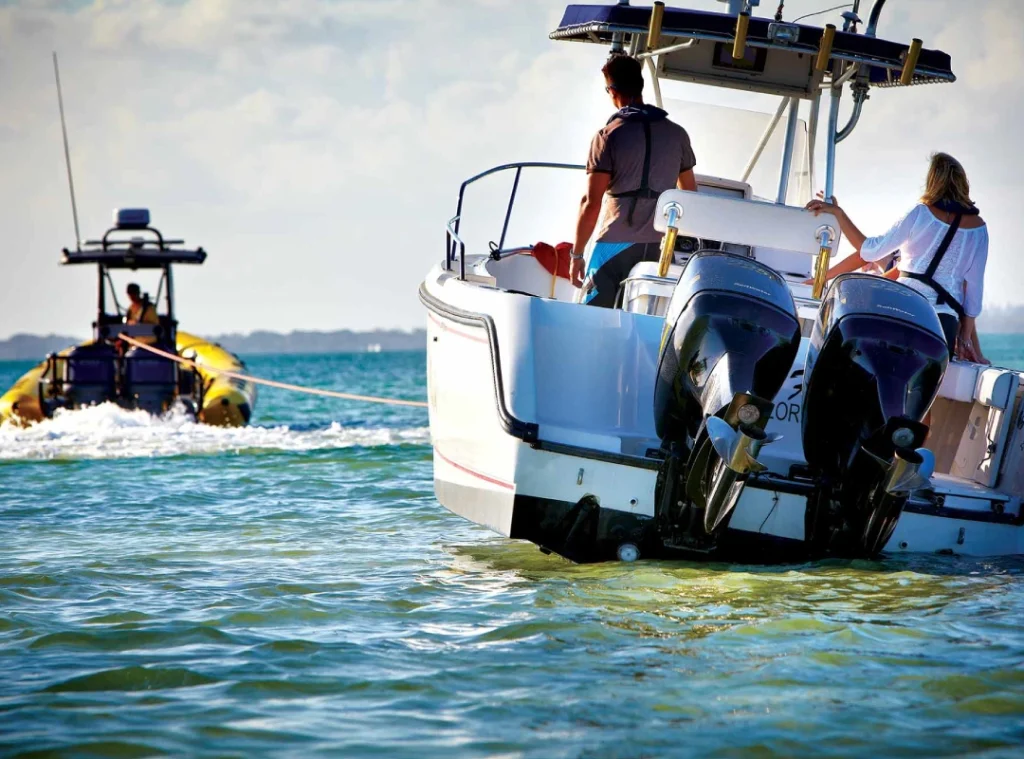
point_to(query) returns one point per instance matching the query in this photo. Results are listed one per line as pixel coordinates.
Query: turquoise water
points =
(293, 589)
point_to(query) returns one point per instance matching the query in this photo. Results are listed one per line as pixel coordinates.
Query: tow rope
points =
(270, 383)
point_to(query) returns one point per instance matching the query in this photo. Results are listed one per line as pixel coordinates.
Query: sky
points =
(315, 147)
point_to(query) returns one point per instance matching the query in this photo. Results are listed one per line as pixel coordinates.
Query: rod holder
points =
(654, 31)
(826, 236)
(673, 212)
(910, 62)
(825, 47)
(739, 47)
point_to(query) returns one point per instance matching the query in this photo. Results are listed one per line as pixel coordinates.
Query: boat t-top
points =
(723, 409)
(118, 364)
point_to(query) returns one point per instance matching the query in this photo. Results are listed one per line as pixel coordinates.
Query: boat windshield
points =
(546, 201)
(724, 140)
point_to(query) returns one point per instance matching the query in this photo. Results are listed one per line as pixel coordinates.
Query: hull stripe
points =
(474, 473)
(446, 328)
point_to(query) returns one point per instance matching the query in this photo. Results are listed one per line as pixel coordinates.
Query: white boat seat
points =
(972, 420)
(996, 387)
(968, 383)
(959, 382)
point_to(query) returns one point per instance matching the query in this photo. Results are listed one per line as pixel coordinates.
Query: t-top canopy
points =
(137, 252)
(776, 62)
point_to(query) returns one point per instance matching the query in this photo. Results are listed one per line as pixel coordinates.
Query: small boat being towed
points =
(106, 369)
(724, 409)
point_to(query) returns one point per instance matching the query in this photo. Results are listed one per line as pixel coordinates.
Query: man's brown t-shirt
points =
(618, 149)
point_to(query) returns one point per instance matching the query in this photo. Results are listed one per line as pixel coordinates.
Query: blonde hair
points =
(947, 180)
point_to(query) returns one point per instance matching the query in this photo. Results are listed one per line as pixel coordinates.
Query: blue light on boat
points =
(131, 218)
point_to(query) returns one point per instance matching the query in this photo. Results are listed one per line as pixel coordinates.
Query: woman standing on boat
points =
(943, 244)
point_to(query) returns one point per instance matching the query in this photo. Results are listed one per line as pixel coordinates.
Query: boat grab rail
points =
(452, 239)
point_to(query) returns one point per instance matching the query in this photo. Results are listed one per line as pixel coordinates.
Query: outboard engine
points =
(731, 336)
(150, 381)
(90, 375)
(874, 365)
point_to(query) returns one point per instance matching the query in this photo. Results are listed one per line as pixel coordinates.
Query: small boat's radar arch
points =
(792, 60)
(132, 244)
(116, 251)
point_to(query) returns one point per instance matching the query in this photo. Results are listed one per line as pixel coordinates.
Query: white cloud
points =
(315, 147)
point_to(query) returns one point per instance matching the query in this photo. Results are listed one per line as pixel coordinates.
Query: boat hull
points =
(541, 435)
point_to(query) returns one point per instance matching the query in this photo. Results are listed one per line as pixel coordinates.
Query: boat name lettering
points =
(787, 412)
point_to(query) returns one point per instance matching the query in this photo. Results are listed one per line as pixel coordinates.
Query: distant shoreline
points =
(24, 347)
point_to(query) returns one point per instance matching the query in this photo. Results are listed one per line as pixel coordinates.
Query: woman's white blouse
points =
(917, 236)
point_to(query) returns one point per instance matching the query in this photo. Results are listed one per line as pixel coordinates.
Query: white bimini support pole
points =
(787, 155)
(830, 146)
(768, 132)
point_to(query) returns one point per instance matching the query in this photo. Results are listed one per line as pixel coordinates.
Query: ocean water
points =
(294, 589)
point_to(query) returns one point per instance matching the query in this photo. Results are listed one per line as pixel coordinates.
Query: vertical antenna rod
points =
(67, 152)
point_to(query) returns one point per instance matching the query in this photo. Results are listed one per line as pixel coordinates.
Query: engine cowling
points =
(150, 381)
(731, 328)
(731, 336)
(90, 375)
(874, 365)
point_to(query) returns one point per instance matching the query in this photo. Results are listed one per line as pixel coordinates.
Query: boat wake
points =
(108, 431)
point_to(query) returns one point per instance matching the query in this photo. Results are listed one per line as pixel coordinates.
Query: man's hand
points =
(577, 268)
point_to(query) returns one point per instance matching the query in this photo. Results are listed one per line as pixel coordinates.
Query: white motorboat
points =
(724, 409)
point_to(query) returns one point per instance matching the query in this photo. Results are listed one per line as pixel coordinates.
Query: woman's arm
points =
(854, 235)
(851, 263)
(977, 345)
(974, 279)
(868, 249)
(968, 346)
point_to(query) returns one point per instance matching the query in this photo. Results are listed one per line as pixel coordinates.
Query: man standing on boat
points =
(636, 156)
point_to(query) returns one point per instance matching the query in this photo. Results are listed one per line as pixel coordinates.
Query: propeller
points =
(737, 448)
(737, 451)
(910, 471)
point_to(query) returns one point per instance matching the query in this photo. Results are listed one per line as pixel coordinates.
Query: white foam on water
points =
(108, 431)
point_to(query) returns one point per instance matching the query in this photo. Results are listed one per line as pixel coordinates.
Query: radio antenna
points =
(67, 152)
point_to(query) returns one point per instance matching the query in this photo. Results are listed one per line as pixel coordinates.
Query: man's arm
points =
(590, 210)
(687, 181)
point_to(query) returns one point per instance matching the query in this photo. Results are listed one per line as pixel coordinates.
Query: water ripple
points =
(295, 590)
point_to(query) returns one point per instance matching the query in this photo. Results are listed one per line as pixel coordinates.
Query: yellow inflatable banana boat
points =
(109, 368)
(222, 401)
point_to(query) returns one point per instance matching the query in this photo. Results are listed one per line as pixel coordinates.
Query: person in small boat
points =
(635, 157)
(140, 310)
(943, 249)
